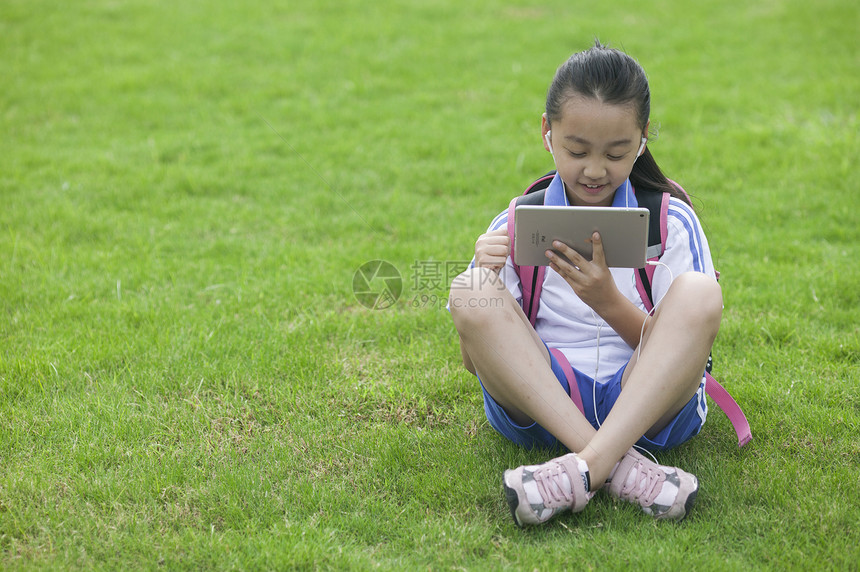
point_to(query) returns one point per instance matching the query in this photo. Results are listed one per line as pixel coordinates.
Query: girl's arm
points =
(625, 318)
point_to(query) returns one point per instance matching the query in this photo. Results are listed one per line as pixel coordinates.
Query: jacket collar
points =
(556, 197)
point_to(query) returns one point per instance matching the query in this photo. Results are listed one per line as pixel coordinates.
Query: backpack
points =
(532, 277)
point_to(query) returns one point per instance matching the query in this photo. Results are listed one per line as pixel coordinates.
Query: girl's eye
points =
(577, 155)
(615, 157)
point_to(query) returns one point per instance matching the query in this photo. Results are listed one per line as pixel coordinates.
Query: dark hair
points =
(611, 76)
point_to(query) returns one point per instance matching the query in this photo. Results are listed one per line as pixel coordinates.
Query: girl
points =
(640, 377)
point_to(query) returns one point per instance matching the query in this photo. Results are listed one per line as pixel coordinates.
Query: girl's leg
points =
(511, 360)
(660, 380)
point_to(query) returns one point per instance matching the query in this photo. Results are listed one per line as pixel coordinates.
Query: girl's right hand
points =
(492, 249)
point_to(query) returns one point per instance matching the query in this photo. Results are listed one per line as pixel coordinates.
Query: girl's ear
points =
(645, 131)
(544, 129)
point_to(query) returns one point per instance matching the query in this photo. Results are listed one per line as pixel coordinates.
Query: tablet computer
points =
(624, 233)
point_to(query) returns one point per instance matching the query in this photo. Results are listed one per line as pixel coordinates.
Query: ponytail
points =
(648, 177)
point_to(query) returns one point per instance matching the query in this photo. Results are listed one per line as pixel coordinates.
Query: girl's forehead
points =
(584, 112)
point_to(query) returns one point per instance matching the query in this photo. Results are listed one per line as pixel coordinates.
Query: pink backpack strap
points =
(664, 218)
(644, 277)
(730, 407)
(571, 378)
(531, 277)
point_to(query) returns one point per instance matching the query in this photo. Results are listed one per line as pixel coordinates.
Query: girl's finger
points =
(597, 254)
(575, 258)
(559, 264)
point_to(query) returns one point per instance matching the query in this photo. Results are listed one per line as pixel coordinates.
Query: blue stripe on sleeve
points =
(682, 213)
(501, 219)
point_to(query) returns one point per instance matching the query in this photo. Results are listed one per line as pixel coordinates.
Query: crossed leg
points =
(501, 347)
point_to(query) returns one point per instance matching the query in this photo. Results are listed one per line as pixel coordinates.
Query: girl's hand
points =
(591, 281)
(492, 249)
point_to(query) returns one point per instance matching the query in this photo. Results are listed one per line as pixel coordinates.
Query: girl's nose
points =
(594, 169)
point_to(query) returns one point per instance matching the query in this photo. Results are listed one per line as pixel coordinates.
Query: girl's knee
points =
(474, 294)
(694, 300)
(701, 291)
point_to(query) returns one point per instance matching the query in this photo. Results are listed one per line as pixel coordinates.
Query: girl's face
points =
(594, 145)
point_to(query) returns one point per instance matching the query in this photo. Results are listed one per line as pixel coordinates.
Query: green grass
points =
(187, 189)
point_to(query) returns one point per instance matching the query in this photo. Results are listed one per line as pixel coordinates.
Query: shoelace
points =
(646, 484)
(550, 482)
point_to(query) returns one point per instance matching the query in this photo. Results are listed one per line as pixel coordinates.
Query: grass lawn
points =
(187, 189)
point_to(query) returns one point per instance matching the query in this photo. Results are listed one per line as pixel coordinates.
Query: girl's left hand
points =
(591, 280)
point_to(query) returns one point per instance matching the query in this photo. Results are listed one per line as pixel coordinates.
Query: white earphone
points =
(641, 147)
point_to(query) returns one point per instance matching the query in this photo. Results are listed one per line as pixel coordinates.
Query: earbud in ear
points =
(641, 147)
(547, 138)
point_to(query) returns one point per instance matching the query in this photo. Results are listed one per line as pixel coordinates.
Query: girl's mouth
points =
(593, 188)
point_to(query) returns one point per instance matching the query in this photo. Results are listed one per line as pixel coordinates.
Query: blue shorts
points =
(685, 425)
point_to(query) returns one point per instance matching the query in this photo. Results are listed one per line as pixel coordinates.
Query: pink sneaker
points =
(536, 493)
(663, 492)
